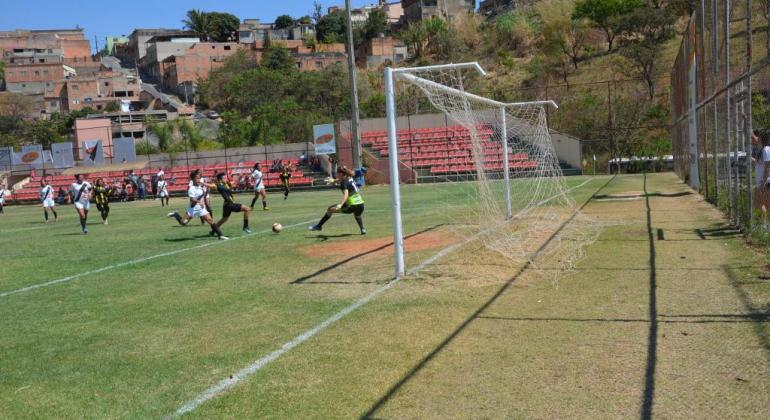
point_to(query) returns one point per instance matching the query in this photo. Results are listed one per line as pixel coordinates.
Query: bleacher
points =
(445, 150)
(178, 177)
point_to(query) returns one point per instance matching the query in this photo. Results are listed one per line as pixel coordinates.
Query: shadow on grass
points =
(703, 319)
(391, 392)
(324, 238)
(645, 195)
(69, 234)
(191, 238)
(758, 316)
(652, 337)
(304, 279)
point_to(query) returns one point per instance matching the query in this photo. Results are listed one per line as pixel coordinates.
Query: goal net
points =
(492, 168)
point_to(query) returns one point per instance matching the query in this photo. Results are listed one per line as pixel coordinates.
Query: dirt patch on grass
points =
(379, 246)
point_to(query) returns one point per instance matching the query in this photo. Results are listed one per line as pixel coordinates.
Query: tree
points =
(14, 105)
(376, 24)
(764, 8)
(415, 36)
(278, 58)
(561, 33)
(318, 12)
(198, 22)
(2, 70)
(332, 27)
(305, 20)
(650, 28)
(112, 107)
(164, 132)
(604, 14)
(283, 22)
(212, 26)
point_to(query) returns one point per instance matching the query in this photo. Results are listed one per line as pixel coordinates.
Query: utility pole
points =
(356, 140)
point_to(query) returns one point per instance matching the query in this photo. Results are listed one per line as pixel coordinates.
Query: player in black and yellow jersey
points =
(352, 202)
(102, 198)
(285, 176)
(230, 206)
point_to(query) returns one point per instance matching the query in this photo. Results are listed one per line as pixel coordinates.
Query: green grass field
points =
(141, 316)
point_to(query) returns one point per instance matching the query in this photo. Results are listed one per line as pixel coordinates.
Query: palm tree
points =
(199, 22)
(191, 134)
(164, 132)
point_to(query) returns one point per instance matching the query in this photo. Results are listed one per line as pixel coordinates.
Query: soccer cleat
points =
(363, 231)
(212, 233)
(85, 231)
(247, 231)
(105, 222)
(265, 208)
(171, 214)
(223, 238)
(314, 228)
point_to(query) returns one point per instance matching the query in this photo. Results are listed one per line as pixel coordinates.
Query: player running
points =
(2, 198)
(285, 178)
(197, 195)
(230, 206)
(46, 197)
(80, 196)
(352, 202)
(163, 190)
(259, 188)
(102, 198)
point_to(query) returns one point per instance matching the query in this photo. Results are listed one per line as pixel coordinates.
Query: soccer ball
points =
(277, 228)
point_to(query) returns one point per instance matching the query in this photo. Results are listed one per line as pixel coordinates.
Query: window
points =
(227, 48)
(41, 60)
(106, 83)
(23, 85)
(53, 104)
(23, 72)
(75, 87)
(45, 72)
(318, 64)
(37, 72)
(99, 107)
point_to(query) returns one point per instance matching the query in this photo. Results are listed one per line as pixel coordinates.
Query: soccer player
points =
(102, 198)
(285, 177)
(197, 208)
(163, 191)
(230, 206)
(352, 202)
(259, 187)
(80, 196)
(2, 198)
(46, 197)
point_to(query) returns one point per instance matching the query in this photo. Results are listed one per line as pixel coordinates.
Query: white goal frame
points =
(408, 74)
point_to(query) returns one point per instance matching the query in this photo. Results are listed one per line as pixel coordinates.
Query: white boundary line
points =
(136, 261)
(238, 377)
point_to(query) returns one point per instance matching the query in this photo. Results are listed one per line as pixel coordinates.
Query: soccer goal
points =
(496, 158)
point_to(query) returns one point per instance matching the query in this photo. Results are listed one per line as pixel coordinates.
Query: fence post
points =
(749, 126)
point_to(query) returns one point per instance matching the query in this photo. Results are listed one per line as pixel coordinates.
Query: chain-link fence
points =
(719, 76)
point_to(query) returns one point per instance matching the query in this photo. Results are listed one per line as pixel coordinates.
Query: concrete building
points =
(493, 7)
(161, 47)
(111, 43)
(380, 51)
(180, 72)
(252, 30)
(416, 10)
(394, 11)
(98, 90)
(69, 43)
(137, 45)
(90, 130)
(317, 57)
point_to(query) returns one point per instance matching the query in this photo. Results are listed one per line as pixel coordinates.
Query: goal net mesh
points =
(463, 164)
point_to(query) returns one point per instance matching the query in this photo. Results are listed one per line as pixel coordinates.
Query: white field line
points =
(136, 261)
(24, 229)
(238, 377)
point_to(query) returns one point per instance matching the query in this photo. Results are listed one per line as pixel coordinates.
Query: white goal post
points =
(412, 75)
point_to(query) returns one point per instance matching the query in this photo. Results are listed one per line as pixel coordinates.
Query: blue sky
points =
(104, 17)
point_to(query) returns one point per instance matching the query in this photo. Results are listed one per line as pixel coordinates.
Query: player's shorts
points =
(261, 187)
(197, 211)
(83, 205)
(103, 206)
(2, 201)
(230, 208)
(48, 203)
(357, 209)
(163, 194)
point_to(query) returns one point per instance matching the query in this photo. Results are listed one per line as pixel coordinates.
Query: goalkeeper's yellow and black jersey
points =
(226, 191)
(101, 195)
(285, 175)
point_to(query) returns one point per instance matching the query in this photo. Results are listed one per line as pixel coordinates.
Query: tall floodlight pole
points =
(395, 192)
(356, 140)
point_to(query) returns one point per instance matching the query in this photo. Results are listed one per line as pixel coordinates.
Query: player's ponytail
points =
(344, 170)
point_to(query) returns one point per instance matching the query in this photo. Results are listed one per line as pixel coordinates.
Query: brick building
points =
(380, 51)
(179, 72)
(416, 10)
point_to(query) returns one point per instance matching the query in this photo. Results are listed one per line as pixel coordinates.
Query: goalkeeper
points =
(352, 202)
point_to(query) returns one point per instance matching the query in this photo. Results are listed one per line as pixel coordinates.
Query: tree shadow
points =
(391, 392)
